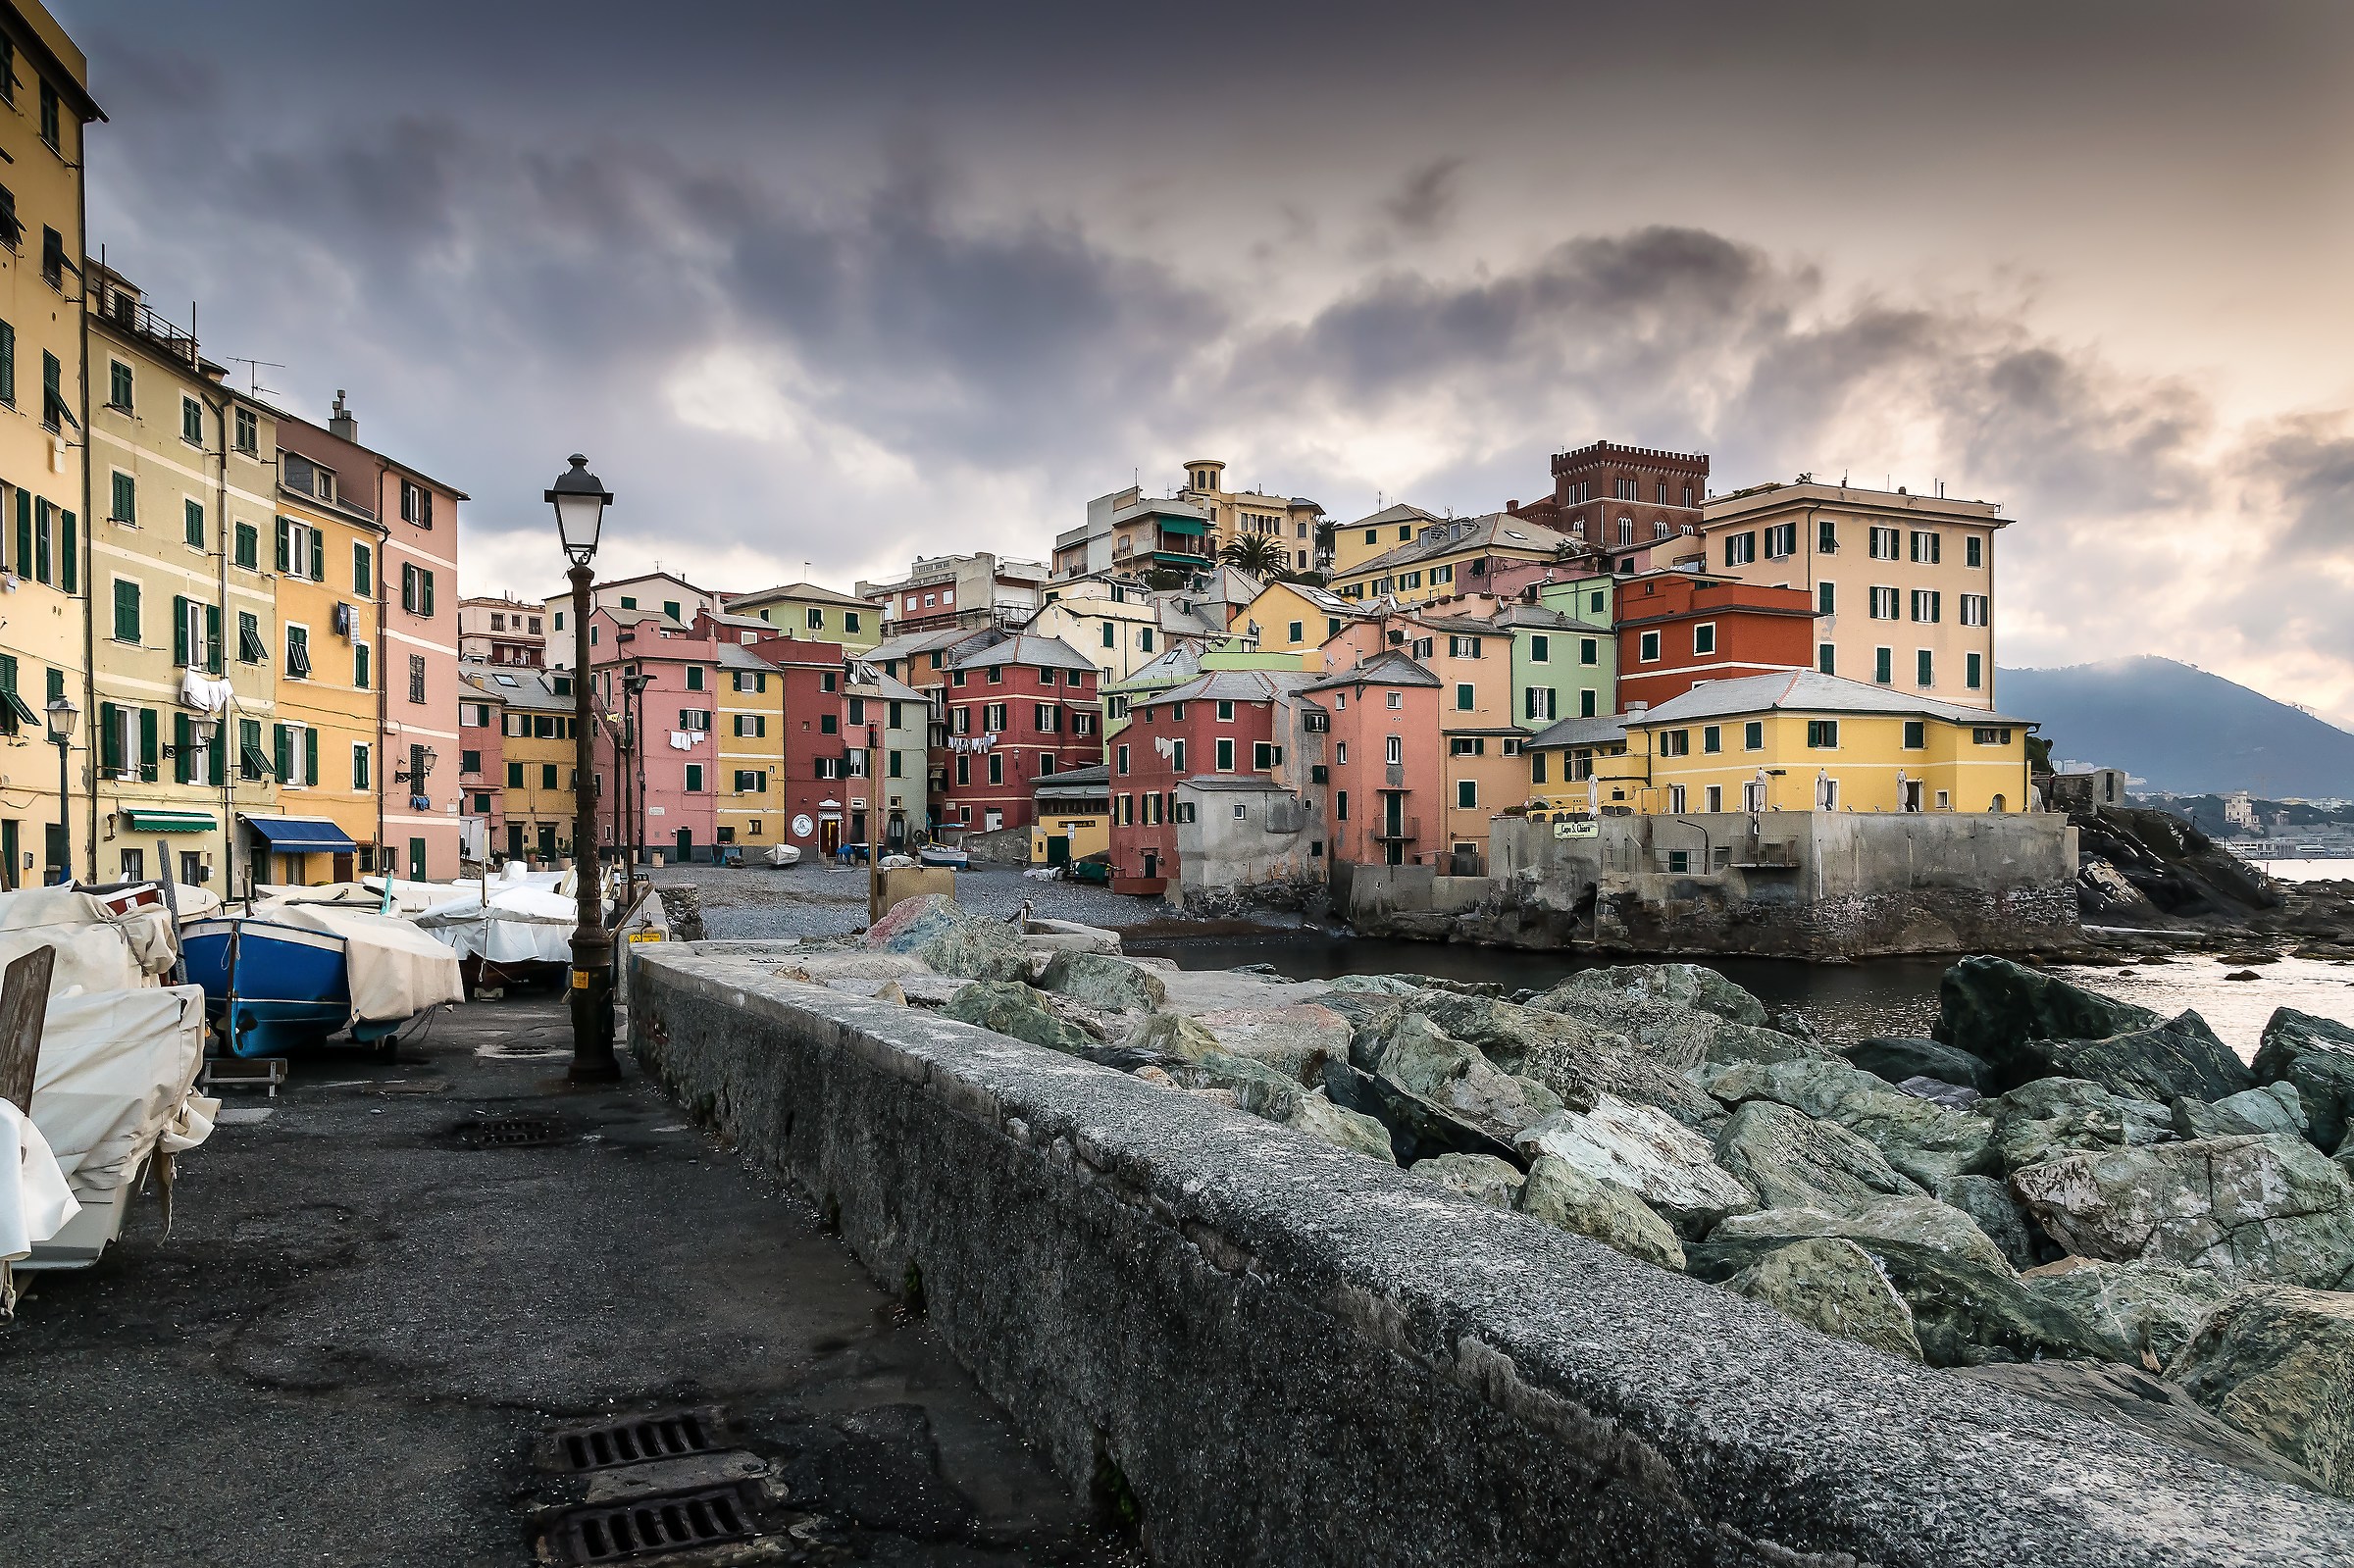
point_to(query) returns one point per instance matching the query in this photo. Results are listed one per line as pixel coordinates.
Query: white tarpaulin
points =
(529, 918)
(96, 952)
(112, 1085)
(34, 1200)
(395, 970)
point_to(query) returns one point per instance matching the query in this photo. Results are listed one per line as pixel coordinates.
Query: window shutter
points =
(110, 738)
(147, 744)
(212, 639)
(180, 742)
(310, 756)
(318, 556)
(281, 737)
(69, 560)
(285, 544)
(24, 532)
(180, 632)
(428, 596)
(216, 755)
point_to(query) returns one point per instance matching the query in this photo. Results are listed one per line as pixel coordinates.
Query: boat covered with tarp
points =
(286, 974)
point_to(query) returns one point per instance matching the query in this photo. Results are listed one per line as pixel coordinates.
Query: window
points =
(249, 432)
(1540, 650)
(416, 589)
(1340, 753)
(1675, 742)
(470, 762)
(1177, 757)
(1465, 696)
(52, 121)
(1589, 650)
(1704, 638)
(694, 778)
(1740, 549)
(1537, 702)
(1394, 751)
(1711, 737)
(1923, 666)
(127, 610)
(299, 552)
(1466, 794)
(1753, 736)
(1883, 604)
(514, 776)
(1917, 736)
(1973, 552)
(416, 504)
(7, 364)
(1823, 734)
(1396, 699)
(694, 678)
(416, 677)
(1225, 711)
(118, 385)
(1225, 756)
(249, 547)
(1265, 754)
(1927, 605)
(628, 603)
(1884, 544)
(191, 422)
(850, 620)
(1985, 735)
(1974, 609)
(1826, 599)
(53, 273)
(1927, 546)
(1883, 665)
(251, 650)
(360, 770)
(126, 501)
(1647, 647)
(1340, 805)
(362, 676)
(298, 652)
(1973, 669)
(363, 572)
(996, 767)
(192, 522)
(1586, 702)
(1781, 541)
(1827, 658)
(1463, 647)
(1144, 641)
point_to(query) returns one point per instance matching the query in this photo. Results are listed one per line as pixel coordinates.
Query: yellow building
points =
(1289, 522)
(327, 556)
(1801, 740)
(1296, 618)
(813, 613)
(1355, 544)
(1455, 556)
(45, 105)
(750, 713)
(1903, 585)
(1582, 765)
(1074, 815)
(536, 749)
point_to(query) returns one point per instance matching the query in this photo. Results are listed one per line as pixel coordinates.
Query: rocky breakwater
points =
(2059, 1193)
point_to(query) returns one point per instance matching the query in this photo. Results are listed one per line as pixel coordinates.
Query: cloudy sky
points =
(836, 284)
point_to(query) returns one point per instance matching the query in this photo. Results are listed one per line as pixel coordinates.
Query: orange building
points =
(1679, 628)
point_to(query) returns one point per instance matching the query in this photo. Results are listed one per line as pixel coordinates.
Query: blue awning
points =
(301, 836)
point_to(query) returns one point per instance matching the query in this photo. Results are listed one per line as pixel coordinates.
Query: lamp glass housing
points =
(60, 716)
(580, 498)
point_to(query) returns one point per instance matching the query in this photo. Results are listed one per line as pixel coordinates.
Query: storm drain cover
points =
(634, 1440)
(644, 1526)
(512, 1132)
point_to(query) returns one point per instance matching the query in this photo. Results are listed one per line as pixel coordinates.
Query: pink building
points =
(419, 795)
(673, 778)
(1386, 805)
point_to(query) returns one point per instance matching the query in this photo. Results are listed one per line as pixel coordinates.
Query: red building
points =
(1017, 709)
(811, 678)
(1218, 725)
(1620, 500)
(1387, 776)
(1679, 628)
(673, 782)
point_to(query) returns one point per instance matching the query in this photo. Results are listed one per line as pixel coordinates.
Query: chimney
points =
(339, 422)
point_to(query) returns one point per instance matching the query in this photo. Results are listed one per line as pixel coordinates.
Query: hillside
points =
(2180, 729)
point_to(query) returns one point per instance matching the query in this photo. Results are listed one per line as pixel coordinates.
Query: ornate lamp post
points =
(579, 499)
(60, 716)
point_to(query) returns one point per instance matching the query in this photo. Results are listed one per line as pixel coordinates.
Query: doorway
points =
(829, 835)
(1393, 828)
(685, 843)
(1911, 795)
(1151, 864)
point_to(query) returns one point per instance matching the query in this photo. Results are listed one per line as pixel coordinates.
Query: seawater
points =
(1845, 1002)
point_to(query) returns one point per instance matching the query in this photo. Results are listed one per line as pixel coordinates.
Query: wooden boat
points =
(942, 855)
(268, 988)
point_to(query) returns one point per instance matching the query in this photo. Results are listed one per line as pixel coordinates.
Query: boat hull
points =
(267, 989)
(955, 859)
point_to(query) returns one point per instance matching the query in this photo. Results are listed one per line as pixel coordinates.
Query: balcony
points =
(1404, 831)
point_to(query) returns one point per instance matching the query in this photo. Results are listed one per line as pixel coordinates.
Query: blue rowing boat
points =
(278, 988)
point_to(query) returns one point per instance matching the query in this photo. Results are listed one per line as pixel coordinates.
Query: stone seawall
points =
(1288, 1354)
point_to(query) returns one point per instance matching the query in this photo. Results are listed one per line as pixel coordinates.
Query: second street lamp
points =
(579, 499)
(60, 716)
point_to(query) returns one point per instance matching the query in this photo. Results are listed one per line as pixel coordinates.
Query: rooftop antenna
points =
(254, 373)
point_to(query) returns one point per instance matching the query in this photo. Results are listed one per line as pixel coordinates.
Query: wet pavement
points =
(371, 1304)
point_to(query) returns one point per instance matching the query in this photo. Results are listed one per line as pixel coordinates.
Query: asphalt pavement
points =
(369, 1309)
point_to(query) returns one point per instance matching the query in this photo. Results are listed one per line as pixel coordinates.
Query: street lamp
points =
(579, 499)
(60, 716)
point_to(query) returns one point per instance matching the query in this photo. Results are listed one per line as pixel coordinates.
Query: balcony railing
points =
(1399, 832)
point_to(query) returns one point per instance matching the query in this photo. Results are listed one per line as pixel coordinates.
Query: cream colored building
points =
(1903, 585)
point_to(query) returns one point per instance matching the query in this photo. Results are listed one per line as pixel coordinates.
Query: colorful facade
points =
(1386, 803)
(1017, 711)
(1679, 628)
(813, 613)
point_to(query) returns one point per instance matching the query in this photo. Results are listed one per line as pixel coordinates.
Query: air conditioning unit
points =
(1396, 637)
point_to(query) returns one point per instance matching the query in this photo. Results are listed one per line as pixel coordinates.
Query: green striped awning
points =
(1183, 525)
(173, 821)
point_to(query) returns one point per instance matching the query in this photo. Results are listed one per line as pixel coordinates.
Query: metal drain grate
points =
(512, 1132)
(634, 1440)
(650, 1525)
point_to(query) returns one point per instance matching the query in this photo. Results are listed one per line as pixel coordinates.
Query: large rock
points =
(2274, 1108)
(1989, 1204)
(1833, 1284)
(1790, 1160)
(1297, 1039)
(1012, 1008)
(1670, 1033)
(1273, 1095)
(1666, 1164)
(1570, 1200)
(1418, 1129)
(2042, 1121)
(2246, 1208)
(1174, 1035)
(1455, 1076)
(1480, 1177)
(1906, 1224)
(2278, 1364)
(1685, 984)
(2317, 1054)
(951, 940)
(1899, 1057)
(2130, 1311)
(1112, 985)
(1920, 1138)
(2138, 1403)
(2005, 1014)
(2181, 1056)
(1314, 1113)
(1574, 1059)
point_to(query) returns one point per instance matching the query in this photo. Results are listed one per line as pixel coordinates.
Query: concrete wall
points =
(1293, 1355)
(1261, 859)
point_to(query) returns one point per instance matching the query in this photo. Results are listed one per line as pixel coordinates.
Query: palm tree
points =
(1256, 554)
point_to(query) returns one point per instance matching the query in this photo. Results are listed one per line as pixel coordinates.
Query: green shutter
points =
(127, 610)
(24, 532)
(310, 756)
(285, 544)
(147, 747)
(110, 738)
(196, 522)
(429, 597)
(281, 741)
(181, 744)
(180, 632)
(68, 559)
(212, 638)
(318, 556)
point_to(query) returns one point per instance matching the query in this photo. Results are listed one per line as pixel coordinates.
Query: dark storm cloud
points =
(1423, 203)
